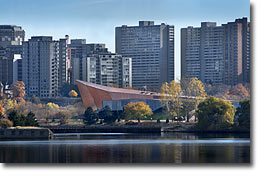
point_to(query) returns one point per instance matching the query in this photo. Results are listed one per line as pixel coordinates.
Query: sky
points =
(95, 20)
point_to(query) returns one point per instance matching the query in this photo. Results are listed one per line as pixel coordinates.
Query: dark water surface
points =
(130, 148)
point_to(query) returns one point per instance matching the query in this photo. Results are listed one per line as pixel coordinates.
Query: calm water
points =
(129, 148)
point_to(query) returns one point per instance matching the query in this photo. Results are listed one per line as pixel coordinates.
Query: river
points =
(129, 148)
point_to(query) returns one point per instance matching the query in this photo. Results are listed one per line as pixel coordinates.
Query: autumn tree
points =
(215, 114)
(2, 111)
(170, 97)
(194, 92)
(73, 93)
(5, 123)
(52, 106)
(138, 110)
(238, 91)
(9, 105)
(18, 90)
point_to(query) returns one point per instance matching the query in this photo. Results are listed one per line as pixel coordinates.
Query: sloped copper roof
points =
(116, 90)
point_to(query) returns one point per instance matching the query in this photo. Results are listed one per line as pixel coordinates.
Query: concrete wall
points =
(10, 133)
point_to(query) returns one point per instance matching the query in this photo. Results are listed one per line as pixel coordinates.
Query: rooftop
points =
(116, 90)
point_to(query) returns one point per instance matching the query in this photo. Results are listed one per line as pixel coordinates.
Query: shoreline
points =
(137, 129)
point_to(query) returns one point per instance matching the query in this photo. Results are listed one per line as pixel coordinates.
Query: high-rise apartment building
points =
(43, 66)
(11, 35)
(11, 38)
(237, 52)
(78, 51)
(202, 52)
(100, 66)
(151, 48)
(6, 70)
(64, 62)
(216, 54)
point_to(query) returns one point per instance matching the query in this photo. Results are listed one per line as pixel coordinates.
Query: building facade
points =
(11, 35)
(43, 71)
(102, 67)
(237, 52)
(11, 38)
(6, 70)
(216, 54)
(151, 48)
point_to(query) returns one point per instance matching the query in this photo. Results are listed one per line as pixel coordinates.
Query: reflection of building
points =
(98, 96)
(151, 48)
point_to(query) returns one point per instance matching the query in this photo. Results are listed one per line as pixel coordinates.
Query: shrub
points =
(5, 123)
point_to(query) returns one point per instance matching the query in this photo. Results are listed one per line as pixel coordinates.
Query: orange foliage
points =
(238, 90)
(18, 89)
(2, 111)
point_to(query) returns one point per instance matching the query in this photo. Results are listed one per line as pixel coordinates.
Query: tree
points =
(73, 93)
(9, 104)
(66, 88)
(243, 114)
(90, 116)
(31, 120)
(35, 100)
(62, 116)
(5, 123)
(52, 106)
(18, 89)
(137, 110)
(215, 114)
(193, 90)
(22, 120)
(2, 111)
(238, 90)
(107, 115)
(170, 97)
(18, 120)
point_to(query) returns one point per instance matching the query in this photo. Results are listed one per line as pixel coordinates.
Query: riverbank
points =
(140, 128)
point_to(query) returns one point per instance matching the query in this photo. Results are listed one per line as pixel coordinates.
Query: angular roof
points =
(116, 90)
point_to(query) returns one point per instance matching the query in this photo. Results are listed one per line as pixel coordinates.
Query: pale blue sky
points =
(95, 20)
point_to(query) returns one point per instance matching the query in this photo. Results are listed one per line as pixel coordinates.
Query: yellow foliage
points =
(52, 106)
(137, 110)
(2, 111)
(170, 97)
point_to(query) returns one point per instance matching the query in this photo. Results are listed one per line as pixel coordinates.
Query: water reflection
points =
(130, 148)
